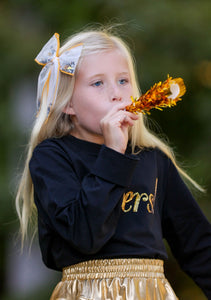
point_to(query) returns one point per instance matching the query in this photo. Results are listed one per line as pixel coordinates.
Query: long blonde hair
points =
(59, 123)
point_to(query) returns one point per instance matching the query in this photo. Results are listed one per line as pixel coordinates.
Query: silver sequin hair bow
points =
(53, 64)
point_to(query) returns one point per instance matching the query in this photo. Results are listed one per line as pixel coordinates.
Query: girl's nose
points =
(115, 94)
(116, 98)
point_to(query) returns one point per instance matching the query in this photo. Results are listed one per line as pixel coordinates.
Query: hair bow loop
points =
(49, 51)
(69, 59)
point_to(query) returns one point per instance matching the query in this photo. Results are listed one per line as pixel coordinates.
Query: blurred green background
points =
(166, 37)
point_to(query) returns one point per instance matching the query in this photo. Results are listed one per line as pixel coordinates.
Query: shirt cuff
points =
(114, 166)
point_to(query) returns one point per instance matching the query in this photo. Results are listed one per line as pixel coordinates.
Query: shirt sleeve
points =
(187, 231)
(83, 212)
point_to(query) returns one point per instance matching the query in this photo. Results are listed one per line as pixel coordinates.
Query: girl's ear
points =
(69, 110)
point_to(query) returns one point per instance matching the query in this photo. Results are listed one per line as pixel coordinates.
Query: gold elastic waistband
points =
(111, 268)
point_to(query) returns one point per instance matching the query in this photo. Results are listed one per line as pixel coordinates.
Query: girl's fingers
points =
(115, 126)
(125, 117)
(116, 108)
(119, 119)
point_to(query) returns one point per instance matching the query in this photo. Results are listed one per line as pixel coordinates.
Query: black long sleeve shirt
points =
(94, 203)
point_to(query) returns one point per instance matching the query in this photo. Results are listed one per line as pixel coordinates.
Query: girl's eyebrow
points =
(124, 73)
(96, 75)
(102, 74)
(127, 74)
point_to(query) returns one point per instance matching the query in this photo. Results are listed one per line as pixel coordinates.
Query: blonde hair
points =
(59, 123)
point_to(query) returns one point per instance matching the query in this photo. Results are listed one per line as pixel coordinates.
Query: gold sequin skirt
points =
(114, 279)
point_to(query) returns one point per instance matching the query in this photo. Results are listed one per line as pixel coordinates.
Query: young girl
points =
(106, 190)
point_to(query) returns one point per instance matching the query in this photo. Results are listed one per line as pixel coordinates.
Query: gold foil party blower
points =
(160, 95)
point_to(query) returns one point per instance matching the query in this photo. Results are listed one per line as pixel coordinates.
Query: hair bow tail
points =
(43, 82)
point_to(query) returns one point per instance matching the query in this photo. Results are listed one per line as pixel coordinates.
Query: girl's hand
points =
(115, 126)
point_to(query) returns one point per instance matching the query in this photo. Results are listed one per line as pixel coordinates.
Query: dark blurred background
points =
(167, 37)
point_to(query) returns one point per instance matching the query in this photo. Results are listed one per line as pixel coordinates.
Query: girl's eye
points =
(123, 81)
(97, 83)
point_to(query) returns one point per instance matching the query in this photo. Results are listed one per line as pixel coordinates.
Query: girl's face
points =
(102, 82)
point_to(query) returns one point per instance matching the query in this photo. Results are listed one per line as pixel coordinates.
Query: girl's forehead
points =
(104, 61)
(104, 54)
